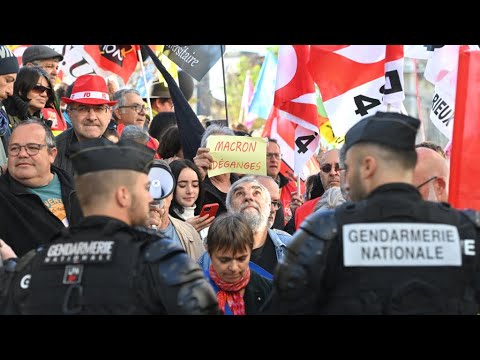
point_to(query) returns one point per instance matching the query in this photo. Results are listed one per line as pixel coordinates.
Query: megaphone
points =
(162, 181)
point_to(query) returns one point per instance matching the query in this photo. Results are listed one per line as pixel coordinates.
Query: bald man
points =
(431, 175)
(329, 176)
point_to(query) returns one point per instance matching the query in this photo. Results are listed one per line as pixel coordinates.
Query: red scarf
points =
(230, 292)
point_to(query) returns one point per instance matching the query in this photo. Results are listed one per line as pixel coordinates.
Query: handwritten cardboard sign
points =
(237, 154)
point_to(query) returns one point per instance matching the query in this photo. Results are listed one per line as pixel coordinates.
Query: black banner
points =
(195, 60)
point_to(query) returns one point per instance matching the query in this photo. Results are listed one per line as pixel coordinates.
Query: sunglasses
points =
(40, 89)
(326, 168)
(426, 182)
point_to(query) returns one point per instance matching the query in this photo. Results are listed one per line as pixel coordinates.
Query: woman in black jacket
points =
(32, 92)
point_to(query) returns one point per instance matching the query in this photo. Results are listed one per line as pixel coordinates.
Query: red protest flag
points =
(118, 59)
(464, 191)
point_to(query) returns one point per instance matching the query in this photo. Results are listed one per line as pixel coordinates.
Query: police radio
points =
(162, 182)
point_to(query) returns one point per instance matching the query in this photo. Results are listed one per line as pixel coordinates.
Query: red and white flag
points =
(441, 70)
(279, 128)
(296, 100)
(357, 80)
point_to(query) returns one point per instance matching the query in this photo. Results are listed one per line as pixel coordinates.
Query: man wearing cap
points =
(44, 57)
(160, 98)
(48, 59)
(90, 109)
(389, 251)
(8, 74)
(111, 263)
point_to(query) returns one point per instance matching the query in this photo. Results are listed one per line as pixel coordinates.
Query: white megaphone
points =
(162, 182)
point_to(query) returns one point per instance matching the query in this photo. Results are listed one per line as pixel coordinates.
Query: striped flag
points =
(296, 100)
(264, 91)
(245, 117)
(357, 80)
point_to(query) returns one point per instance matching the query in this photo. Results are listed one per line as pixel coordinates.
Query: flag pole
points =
(299, 191)
(417, 96)
(187, 121)
(224, 85)
(139, 52)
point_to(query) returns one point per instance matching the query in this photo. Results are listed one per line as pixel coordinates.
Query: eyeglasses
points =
(40, 89)
(426, 182)
(276, 204)
(326, 168)
(31, 149)
(274, 155)
(137, 108)
(84, 110)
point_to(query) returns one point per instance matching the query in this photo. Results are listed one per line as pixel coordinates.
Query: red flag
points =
(118, 59)
(357, 80)
(464, 191)
(296, 100)
(278, 128)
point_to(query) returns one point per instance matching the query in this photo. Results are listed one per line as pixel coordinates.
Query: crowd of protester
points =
(239, 249)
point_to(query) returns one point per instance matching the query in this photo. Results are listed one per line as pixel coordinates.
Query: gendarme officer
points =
(107, 264)
(389, 251)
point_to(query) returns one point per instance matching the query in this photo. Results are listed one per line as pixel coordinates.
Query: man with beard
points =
(110, 263)
(389, 251)
(250, 198)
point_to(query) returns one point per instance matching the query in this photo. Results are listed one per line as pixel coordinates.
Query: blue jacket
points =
(280, 239)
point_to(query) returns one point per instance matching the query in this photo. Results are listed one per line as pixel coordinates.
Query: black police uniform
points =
(105, 266)
(385, 254)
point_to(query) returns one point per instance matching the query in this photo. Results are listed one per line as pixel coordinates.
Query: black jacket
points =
(392, 253)
(257, 294)
(104, 266)
(25, 221)
(64, 142)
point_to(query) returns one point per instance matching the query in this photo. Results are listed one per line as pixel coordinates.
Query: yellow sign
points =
(237, 154)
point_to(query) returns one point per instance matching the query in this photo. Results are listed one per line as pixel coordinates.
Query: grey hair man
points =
(330, 199)
(250, 198)
(130, 108)
(135, 133)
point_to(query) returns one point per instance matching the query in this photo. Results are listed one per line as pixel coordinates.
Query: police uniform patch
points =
(84, 252)
(401, 244)
(73, 274)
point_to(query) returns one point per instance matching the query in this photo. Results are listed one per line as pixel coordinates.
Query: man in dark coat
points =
(37, 199)
(389, 251)
(89, 93)
(110, 263)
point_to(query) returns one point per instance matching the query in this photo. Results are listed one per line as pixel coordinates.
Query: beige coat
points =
(189, 237)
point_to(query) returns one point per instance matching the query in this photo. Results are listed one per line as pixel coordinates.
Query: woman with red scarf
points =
(240, 289)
